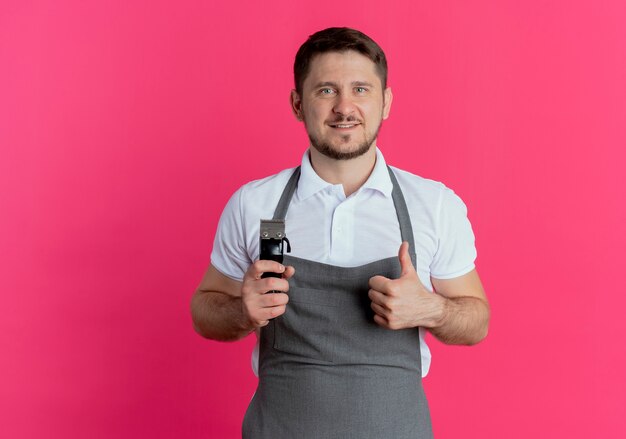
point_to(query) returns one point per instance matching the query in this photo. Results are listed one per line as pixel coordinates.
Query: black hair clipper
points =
(272, 243)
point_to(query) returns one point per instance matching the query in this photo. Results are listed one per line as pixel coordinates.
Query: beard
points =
(325, 148)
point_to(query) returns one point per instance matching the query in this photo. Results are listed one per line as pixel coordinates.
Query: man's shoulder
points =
(269, 184)
(260, 197)
(429, 194)
(413, 184)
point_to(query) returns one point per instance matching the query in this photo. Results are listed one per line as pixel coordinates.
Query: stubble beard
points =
(329, 151)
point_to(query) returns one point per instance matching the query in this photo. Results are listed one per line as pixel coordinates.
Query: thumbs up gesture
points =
(404, 302)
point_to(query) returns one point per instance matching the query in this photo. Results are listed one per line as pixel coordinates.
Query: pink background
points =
(125, 126)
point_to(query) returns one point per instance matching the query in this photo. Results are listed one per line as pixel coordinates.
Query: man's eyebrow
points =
(334, 84)
(362, 84)
(325, 84)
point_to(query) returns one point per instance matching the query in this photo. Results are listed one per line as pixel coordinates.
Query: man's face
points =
(342, 104)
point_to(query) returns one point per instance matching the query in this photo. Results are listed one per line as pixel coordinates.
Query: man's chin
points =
(343, 152)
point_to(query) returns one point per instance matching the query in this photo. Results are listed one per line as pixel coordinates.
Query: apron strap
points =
(290, 188)
(406, 229)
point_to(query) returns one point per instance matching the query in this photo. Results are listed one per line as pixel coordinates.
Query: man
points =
(340, 350)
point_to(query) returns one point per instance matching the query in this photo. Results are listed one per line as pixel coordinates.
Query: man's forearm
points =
(465, 321)
(218, 316)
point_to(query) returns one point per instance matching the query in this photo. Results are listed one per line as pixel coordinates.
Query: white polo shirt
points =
(324, 226)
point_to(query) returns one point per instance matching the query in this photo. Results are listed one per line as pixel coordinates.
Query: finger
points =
(267, 314)
(289, 271)
(274, 311)
(378, 283)
(377, 297)
(260, 315)
(272, 300)
(264, 266)
(379, 310)
(257, 287)
(273, 284)
(406, 265)
(381, 321)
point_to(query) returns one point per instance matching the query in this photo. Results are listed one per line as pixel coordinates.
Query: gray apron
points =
(326, 369)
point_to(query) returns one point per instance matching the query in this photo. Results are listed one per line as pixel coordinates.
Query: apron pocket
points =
(308, 326)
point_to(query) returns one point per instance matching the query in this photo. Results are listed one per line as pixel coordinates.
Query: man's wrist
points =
(244, 323)
(442, 311)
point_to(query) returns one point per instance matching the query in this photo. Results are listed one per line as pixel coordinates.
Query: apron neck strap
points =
(285, 199)
(406, 229)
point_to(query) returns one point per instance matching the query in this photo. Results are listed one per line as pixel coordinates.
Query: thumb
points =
(406, 265)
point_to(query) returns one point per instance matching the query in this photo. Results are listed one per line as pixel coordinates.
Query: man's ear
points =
(387, 99)
(296, 105)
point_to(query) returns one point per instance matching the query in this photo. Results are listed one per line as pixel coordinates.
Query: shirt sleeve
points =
(456, 251)
(229, 255)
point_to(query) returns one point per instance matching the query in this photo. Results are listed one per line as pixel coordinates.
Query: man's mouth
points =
(345, 125)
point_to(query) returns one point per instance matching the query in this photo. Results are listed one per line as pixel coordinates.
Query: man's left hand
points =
(405, 302)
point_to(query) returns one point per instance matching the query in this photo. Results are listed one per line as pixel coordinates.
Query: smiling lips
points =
(344, 125)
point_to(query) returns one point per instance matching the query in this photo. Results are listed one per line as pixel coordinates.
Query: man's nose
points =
(344, 105)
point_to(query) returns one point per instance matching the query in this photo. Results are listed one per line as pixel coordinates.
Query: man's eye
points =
(326, 91)
(361, 89)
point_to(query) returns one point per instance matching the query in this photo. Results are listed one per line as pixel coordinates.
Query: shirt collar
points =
(310, 183)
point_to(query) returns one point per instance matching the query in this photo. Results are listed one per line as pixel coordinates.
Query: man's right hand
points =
(258, 306)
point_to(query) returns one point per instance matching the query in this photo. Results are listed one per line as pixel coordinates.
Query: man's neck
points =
(352, 173)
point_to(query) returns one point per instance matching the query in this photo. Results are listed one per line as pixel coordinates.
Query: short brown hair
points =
(337, 39)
